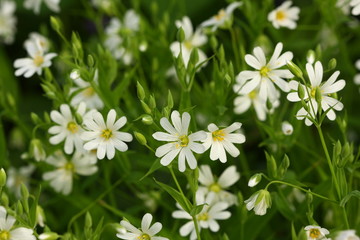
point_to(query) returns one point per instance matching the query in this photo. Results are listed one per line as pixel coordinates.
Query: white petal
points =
(229, 177)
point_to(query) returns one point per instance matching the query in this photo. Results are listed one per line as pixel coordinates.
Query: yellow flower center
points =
(38, 60)
(69, 166)
(184, 141)
(218, 135)
(215, 187)
(221, 14)
(264, 71)
(280, 15)
(314, 233)
(252, 94)
(72, 127)
(188, 45)
(4, 235)
(144, 236)
(107, 134)
(88, 92)
(203, 216)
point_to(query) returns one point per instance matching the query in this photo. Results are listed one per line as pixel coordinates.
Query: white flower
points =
(259, 201)
(16, 177)
(36, 62)
(7, 230)
(344, 5)
(180, 142)
(35, 5)
(192, 40)
(254, 180)
(67, 128)
(357, 76)
(207, 218)
(315, 232)
(147, 232)
(221, 140)
(325, 89)
(223, 18)
(218, 187)
(36, 150)
(266, 73)
(355, 4)
(35, 37)
(347, 235)
(105, 137)
(287, 128)
(61, 179)
(245, 100)
(86, 92)
(284, 16)
(7, 21)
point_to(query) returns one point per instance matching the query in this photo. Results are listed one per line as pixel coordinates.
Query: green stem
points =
(235, 48)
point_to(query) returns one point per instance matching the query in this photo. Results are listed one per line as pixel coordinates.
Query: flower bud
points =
(310, 56)
(318, 96)
(254, 180)
(140, 91)
(55, 23)
(332, 64)
(140, 138)
(40, 216)
(48, 236)
(301, 91)
(181, 35)
(145, 107)
(2, 177)
(287, 128)
(147, 119)
(152, 102)
(35, 118)
(259, 201)
(88, 220)
(294, 69)
(90, 60)
(36, 150)
(143, 46)
(213, 42)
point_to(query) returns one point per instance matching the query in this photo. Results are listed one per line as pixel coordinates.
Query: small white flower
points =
(35, 5)
(35, 37)
(87, 93)
(180, 142)
(347, 235)
(266, 74)
(221, 140)
(355, 4)
(192, 40)
(36, 150)
(287, 128)
(7, 230)
(327, 88)
(254, 180)
(223, 18)
(259, 201)
(67, 128)
(218, 187)
(16, 177)
(105, 137)
(315, 232)
(36, 62)
(284, 16)
(207, 218)
(147, 231)
(7, 21)
(61, 179)
(357, 76)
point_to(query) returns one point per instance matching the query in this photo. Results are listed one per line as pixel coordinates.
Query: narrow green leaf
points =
(155, 166)
(355, 193)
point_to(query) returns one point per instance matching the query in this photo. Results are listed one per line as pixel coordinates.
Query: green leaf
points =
(197, 209)
(182, 200)
(155, 166)
(355, 193)
(293, 232)
(33, 207)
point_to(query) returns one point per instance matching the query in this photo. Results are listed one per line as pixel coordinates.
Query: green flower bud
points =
(180, 35)
(254, 180)
(140, 138)
(88, 220)
(78, 118)
(145, 107)
(24, 191)
(4, 199)
(194, 57)
(48, 236)
(170, 100)
(40, 216)
(332, 64)
(147, 119)
(318, 96)
(11, 100)
(284, 165)
(2, 178)
(152, 102)
(90, 60)
(35, 118)
(301, 91)
(55, 24)
(213, 42)
(310, 56)
(271, 165)
(140, 91)
(294, 69)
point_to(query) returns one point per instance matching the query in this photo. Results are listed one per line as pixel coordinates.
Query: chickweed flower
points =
(7, 21)
(223, 19)
(315, 232)
(355, 4)
(61, 179)
(347, 235)
(254, 180)
(317, 88)
(284, 16)
(221, 140)
(259, 201)
(147, 232)
(287, 128)
(180, 141)
(105, 137)
(9, 232)
(217, 187)
(265, 74)
(42, 41)
(16, 177)
(35, 5)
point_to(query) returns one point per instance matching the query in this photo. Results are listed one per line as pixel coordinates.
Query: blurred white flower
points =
(16, 177)
(7, 230)
(61, 179)
(36, 150)
(284, 16)
(67, 128)
(259, 201)
(287, 128)
(86, 92)
(36, 62)
(344, 5)
(7, 21)
(221, 140)
(316, 232)
(105, 137)
(265, 74)
(147, 231)
(355, 4)
(35, 5)
(325, 89)
(347, 235)
(180, 141)
(217, 187)
(192, 40)
(254, 180)
(357, 76)
(223, 18)
(42, 41)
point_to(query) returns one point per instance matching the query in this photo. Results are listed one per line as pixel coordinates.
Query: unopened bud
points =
(332, 64)
(318, 96)
(140, 138)
(294, 69)
(287, 128)
(254, 180)
(48, 236)
(36, 150)
(145, 107)
(152, 102)
(140, 91)
(55, 23)
(88, 220)
(301, 91)
(35, 118)
(2, 178)
(310, 56)
(147, 119)
(213, 42)
(180, 35)
(90, 60)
